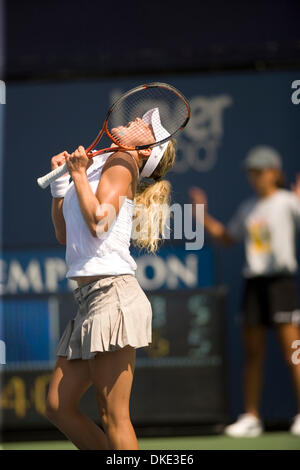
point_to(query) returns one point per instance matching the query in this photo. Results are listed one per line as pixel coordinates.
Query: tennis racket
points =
(173, 114)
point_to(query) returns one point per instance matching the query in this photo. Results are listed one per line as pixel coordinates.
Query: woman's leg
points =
(69, 381)
(254, 342)
(112, 376)
(287, 334)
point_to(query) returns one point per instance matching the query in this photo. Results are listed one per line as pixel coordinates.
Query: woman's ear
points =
(145, 153)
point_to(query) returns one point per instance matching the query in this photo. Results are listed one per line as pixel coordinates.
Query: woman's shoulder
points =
(123, 159)
(98, 162)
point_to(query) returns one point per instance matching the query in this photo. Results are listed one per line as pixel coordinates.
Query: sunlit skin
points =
(115, 181)
(134, 133)
(111, 373)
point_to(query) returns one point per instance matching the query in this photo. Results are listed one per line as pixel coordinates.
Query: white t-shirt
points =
(268, 228)
(87, 255)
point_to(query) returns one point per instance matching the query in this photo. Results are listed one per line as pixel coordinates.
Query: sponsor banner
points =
(44, 271)
(232, 115)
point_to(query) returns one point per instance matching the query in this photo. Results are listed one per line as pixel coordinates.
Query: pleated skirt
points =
(113, 312)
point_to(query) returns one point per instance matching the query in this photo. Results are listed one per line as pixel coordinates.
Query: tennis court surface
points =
(268, 441)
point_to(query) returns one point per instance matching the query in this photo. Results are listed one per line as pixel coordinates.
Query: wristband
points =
(59, 186)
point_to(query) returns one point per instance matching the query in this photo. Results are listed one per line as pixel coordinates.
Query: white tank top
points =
(87, 255)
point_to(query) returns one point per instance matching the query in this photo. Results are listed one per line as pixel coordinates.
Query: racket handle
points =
(45, 180)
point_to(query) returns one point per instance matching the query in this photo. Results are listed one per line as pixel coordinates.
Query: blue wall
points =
(231, 114)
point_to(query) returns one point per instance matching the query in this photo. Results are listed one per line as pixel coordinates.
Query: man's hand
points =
(198, 196)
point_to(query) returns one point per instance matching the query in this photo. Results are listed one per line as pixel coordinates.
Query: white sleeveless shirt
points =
(87, 255)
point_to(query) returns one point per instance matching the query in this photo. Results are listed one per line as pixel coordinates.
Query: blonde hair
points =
(152, 204)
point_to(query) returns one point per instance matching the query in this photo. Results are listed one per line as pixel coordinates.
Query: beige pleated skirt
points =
(113, 312)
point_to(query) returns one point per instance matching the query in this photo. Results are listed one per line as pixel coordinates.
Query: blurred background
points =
(62, 63)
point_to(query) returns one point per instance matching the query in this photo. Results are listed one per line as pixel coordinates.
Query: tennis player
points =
(98, 347)
(266, 223)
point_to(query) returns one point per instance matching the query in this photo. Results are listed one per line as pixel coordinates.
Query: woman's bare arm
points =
(56, 209)
(58, 220)
(99, 210)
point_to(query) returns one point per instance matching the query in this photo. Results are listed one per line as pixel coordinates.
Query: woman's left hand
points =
(296, 186)
(78, 161)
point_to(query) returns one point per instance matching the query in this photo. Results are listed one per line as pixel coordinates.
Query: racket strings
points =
(129, 124)
(146, 116)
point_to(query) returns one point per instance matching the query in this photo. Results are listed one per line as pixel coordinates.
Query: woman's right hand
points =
(59, 160)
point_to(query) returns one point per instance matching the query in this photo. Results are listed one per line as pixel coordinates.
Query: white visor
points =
(152, 117)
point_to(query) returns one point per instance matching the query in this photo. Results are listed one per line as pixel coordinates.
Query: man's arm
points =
(214, 227)
(217, 230)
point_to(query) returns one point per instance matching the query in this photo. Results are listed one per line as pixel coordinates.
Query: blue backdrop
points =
(231, 114)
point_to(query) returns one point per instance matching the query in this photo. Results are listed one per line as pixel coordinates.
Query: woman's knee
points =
(112, 414)
(55, 409)
(111, 419)
(52, 409)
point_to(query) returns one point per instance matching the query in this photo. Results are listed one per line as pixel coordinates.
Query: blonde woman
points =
(114, 315)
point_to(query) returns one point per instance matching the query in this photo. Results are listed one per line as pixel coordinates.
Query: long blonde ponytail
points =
(152, 205)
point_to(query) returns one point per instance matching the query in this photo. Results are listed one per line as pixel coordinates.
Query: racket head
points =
(147, 116)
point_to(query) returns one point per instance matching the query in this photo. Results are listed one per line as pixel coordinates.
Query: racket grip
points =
(45, 180)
